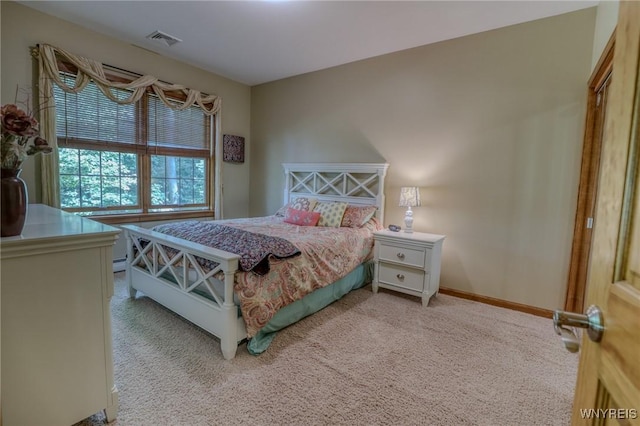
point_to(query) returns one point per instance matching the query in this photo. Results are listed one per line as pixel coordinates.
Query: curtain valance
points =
(88, 70)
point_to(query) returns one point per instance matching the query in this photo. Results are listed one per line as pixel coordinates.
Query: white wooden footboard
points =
(183, 286)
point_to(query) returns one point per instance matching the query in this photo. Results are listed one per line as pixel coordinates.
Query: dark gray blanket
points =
(254, 249)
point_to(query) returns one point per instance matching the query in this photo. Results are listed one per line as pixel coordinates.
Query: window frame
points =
(144, 152)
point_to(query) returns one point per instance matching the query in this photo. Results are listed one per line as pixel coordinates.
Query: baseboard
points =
(498, 302)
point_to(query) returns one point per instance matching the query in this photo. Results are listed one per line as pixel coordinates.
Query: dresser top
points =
(44, 222)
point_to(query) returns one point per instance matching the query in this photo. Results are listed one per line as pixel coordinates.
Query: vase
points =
(13, 203)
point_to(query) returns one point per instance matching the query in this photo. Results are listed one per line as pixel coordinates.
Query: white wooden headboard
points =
(354, 183)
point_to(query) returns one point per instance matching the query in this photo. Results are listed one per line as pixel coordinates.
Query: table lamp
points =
(409, 197)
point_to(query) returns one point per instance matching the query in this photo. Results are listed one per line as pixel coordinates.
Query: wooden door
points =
(588, 189)
(608, 387)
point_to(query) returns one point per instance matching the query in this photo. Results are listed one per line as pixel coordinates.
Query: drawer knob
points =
(400, 256)
(400, 277)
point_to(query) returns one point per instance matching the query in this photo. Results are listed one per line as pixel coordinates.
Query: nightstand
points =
(408, 263)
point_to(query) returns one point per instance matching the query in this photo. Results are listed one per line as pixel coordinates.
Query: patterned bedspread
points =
(326, 255)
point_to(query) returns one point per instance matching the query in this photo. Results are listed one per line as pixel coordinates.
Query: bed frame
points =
(216, 312)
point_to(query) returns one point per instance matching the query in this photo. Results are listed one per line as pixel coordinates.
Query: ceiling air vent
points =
(165, 38)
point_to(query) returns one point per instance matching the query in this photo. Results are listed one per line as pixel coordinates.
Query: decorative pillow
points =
(330, 213)
(357, 216)
(301, 217)
(299, 203)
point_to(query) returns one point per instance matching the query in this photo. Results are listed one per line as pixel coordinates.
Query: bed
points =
(213, 288)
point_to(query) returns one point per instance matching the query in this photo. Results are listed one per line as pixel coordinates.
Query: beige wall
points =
(489, 126)
(22, 27)
(606, 20)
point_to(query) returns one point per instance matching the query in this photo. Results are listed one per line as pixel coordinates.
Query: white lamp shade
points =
(409, 196)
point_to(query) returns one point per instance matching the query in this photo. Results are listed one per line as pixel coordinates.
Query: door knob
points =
(592, 321)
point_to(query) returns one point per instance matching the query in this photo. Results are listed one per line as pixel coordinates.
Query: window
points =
(142, 158)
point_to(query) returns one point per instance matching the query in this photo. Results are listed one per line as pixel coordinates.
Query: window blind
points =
(171, 129)
(89, 118)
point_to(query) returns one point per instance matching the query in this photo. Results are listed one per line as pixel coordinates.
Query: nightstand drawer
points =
(404, 255)
(400, 276)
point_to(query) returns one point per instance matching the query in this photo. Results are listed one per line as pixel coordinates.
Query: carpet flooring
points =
(368, 359)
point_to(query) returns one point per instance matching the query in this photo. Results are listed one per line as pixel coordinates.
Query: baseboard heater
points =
(119, 265)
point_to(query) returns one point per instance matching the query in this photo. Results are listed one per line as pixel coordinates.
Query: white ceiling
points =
(255, 42)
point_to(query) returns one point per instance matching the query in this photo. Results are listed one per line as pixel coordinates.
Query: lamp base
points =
(408, 221)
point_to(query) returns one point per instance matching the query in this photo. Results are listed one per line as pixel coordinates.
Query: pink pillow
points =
(357, 216)
(301, 217)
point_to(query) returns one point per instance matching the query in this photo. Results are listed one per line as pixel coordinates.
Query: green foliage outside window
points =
(100, 163)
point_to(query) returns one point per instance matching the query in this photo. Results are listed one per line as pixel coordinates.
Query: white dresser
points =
(408, 263)
(56, 284)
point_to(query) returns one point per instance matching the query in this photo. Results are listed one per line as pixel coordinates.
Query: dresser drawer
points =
(401, 276)
(406, 256)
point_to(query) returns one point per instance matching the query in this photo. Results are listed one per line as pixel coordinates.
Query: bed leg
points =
(229, 337)
(132, 292)
(229, 347)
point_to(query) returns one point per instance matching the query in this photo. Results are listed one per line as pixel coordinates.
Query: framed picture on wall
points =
(233, 149)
